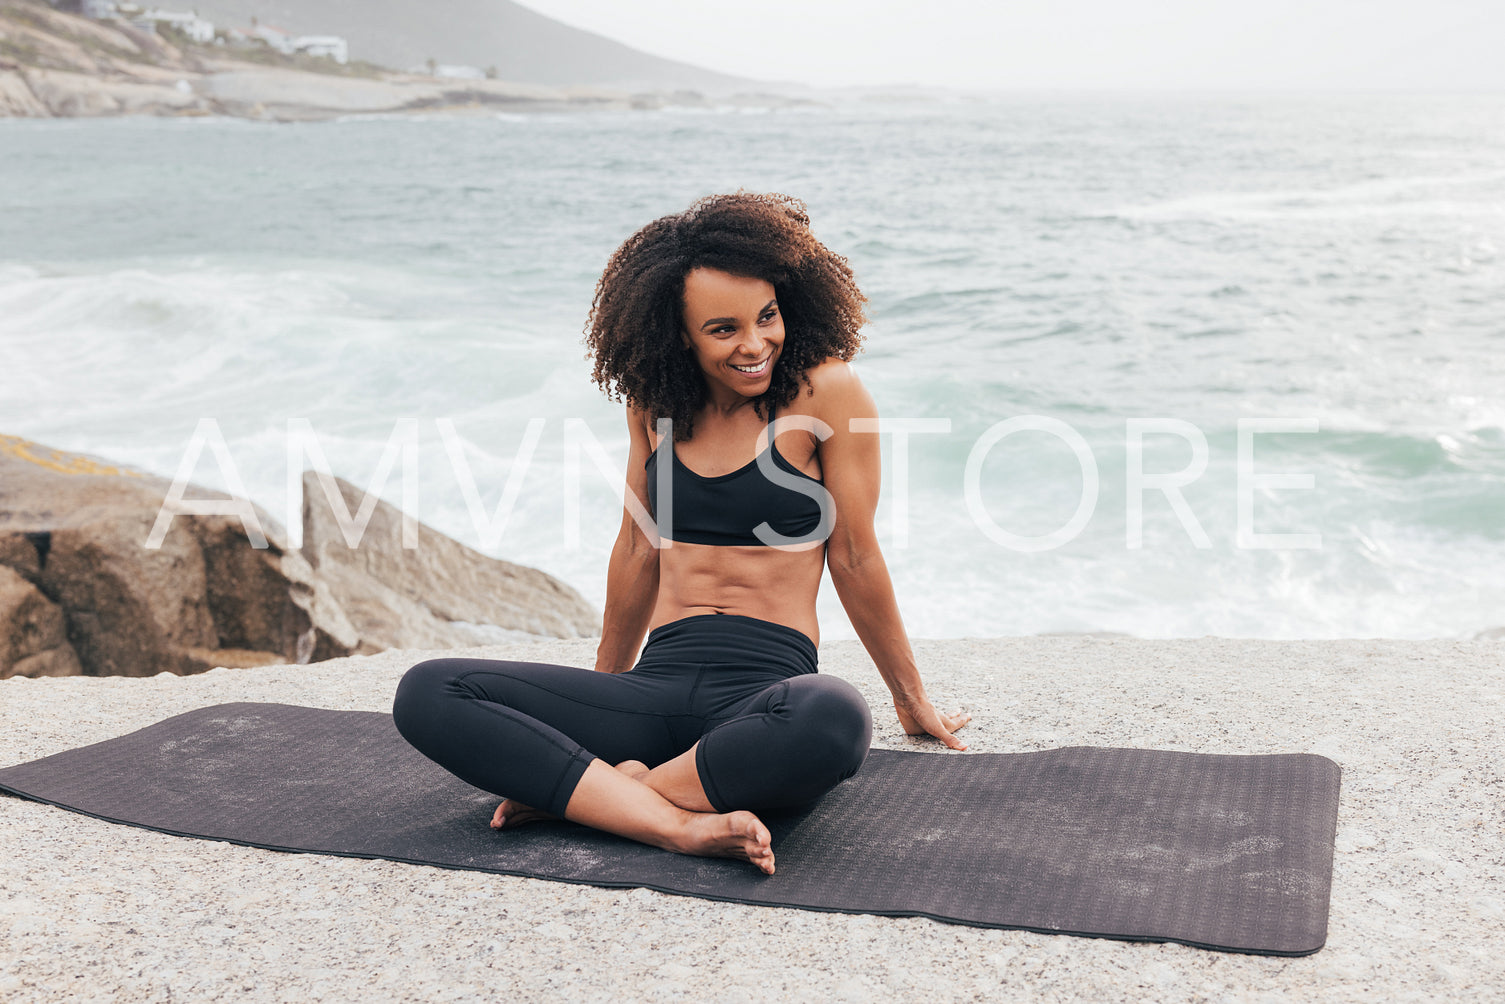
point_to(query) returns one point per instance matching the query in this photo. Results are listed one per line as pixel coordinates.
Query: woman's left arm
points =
(851, 469)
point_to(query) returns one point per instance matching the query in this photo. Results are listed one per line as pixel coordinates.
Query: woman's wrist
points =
(909, 698)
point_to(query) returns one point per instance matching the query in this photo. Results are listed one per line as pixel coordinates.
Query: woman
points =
(708, 322)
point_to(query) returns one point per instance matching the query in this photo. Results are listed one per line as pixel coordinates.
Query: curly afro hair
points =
(637, 312)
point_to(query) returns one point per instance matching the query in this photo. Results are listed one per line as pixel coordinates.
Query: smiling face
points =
(733, 325)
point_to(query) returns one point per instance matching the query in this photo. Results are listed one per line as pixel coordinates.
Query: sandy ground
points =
(96, 911)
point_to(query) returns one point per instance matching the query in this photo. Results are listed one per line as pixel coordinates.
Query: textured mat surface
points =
(1226, 852)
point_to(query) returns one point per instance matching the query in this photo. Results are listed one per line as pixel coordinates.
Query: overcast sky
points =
(1178, 44)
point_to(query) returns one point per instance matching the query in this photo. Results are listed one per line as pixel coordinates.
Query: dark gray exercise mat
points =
(1226, 852)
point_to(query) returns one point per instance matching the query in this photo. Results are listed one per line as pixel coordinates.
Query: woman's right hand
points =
(919, 717)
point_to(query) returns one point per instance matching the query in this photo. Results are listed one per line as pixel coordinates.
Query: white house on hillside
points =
(332, 46)
(187, 22)
(278, 38)
(199, 30)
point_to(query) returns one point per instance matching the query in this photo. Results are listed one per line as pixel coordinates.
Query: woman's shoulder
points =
(835, 388)
(641, 420)
(831, 377)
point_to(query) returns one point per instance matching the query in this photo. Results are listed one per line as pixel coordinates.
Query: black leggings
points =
(772, 732)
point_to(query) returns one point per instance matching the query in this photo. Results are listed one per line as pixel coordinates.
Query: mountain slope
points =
(522, 44)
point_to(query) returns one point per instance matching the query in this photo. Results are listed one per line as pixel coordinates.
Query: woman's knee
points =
(416, 703)
(836, 721)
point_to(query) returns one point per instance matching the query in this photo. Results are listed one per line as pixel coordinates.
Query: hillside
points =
(56, 64)
(523, 45)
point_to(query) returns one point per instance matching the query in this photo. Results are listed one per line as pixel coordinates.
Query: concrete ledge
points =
(1418, 888)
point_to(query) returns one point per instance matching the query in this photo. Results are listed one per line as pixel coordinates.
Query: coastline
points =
(1416, 726)
(276, 94)
(58, 64)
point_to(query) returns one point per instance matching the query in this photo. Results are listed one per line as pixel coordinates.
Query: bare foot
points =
(514, 813)
(737, 834)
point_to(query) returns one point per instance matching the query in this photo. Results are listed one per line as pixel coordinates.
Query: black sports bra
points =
(725, 509)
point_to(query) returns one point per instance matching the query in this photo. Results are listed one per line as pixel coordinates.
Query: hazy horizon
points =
(1091, 45)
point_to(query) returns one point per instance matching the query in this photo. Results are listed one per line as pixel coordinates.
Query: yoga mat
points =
(1216, 851)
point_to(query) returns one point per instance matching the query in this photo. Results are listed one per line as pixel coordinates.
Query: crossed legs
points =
(614, 801)
(538, 734)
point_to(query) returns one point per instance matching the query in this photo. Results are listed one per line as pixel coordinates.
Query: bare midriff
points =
(771, 583)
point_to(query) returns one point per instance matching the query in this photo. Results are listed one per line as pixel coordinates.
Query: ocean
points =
(1312, 283)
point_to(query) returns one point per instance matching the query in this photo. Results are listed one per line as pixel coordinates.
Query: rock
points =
(58, 40)
(268, 599)
(286, 89)
(60, 661)
(79, 94)
(16, 99)
(234, 658)
(331, 634)
(72, 94)
(281, 93)
(18, 552)
(442, 593)
(185, 607)
(33, 641)
(73, 533)
(130, 609)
